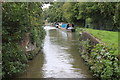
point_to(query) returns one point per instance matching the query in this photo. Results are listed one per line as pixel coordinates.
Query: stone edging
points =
(88, 36)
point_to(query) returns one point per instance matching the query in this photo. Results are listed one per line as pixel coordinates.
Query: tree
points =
(18, 20)
(98, 15)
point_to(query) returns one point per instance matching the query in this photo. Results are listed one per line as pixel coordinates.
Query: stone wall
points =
(87, 36)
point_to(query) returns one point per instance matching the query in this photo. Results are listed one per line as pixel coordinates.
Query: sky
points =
(46, 6)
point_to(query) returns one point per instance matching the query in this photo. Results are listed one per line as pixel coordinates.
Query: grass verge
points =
(110, 38)
(102, 59)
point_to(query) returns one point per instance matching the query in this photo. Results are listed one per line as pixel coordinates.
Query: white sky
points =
(46, 6)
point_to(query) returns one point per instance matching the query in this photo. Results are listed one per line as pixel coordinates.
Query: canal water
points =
(60, 57)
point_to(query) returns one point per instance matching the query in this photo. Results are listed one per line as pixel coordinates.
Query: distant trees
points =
(54, 13)
(97, 15)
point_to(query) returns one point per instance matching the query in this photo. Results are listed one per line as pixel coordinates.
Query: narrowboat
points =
(67, 27)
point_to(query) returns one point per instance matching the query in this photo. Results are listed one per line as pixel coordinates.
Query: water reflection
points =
(34, 70)
(60, 58)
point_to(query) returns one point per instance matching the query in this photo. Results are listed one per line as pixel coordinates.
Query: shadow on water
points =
(34, 70)
(60, 58)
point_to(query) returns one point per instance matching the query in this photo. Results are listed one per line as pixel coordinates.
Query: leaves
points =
(98, 15)
(18, 19)
(101, 60)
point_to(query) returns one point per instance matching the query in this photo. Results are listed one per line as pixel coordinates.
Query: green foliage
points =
(54, 13)
(68, 11)
(108, 37)
(98, 15)
(14, 58)
(102, 60)
(18, 19)
(37, 36)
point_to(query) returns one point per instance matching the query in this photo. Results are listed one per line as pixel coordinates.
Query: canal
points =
(60, 57)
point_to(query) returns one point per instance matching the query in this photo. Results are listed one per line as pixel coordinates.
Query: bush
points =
(102, 60)
(18, 19)
(14, 59)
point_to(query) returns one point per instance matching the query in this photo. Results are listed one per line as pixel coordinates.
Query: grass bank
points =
(102, 59)
(110, 38)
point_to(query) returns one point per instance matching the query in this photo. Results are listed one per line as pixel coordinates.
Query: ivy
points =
(20, 18)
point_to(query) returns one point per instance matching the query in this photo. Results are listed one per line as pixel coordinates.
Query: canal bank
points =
(101, 58)
(60, 57)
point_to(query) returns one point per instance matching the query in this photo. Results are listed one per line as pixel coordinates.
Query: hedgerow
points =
(19, 18)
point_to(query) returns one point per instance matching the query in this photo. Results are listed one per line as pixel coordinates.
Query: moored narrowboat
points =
(67, 27)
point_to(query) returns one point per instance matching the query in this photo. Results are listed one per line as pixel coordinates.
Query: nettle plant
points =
(102, 60)
(107, 60)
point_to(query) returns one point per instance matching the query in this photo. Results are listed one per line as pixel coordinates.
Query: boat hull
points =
(66, 27)
(71, 30)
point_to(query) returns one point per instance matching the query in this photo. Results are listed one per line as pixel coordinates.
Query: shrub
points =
(102, 60)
